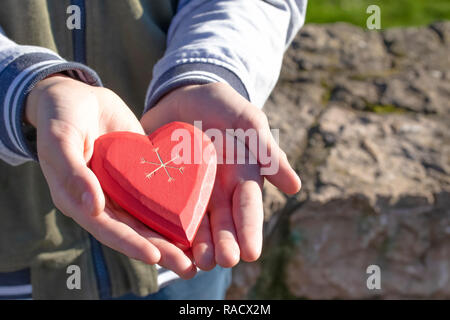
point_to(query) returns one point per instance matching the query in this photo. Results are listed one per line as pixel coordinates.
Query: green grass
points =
(394, 13)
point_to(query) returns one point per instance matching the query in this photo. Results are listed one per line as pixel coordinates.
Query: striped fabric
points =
(165, 276)
(238, 42)
(21, 67)
(17, 285)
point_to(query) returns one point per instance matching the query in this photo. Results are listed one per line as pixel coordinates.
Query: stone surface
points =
(364, 118)
(245, 276)
(375, 200)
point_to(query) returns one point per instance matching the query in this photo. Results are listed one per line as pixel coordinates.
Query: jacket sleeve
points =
(240, 42)
(21, 67)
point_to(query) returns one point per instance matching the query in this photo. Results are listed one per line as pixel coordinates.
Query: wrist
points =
(33, 98)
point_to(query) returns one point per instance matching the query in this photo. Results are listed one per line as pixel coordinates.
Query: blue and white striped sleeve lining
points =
(21, 67)
(239, 42)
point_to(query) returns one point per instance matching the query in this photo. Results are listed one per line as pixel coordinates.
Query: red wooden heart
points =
(165, 180)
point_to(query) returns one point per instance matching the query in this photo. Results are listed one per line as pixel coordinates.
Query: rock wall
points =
(364, 116)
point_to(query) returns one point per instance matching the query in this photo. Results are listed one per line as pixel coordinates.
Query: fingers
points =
(248, 218)
(72, 184)
(170, 256)
(286, 179)
(221, 107)
(273, 161)
(114, 233)
(223, 232)
(77, 193)
(203, 246)
(114, 228)
(173, 258)
(68, 118)
(110, 232)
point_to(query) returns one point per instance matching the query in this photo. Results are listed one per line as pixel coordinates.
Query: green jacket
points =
(123, 40)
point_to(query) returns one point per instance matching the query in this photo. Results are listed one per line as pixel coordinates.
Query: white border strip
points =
(15, 290)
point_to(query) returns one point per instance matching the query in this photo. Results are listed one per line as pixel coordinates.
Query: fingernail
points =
(88, 201)
(293, 172)
(299, 181)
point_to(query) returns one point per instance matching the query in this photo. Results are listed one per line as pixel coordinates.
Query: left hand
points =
(69, 116)
(233, 227)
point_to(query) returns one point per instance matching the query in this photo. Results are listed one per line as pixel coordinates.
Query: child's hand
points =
(233, 228)
(69, 115)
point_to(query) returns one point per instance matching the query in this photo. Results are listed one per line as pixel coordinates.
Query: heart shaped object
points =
(165, 180)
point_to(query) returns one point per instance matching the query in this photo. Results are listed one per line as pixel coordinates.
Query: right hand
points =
(233, 227)
(69, 115)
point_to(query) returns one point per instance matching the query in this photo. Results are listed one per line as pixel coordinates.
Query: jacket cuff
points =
(188, 74)
(17, 79)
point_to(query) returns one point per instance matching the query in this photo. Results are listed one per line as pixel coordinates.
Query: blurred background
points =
(364, 117)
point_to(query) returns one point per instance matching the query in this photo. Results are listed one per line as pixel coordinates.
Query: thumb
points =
(73, 186)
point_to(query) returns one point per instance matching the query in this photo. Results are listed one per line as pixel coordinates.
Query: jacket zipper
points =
(101, 271)
(79, 55)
